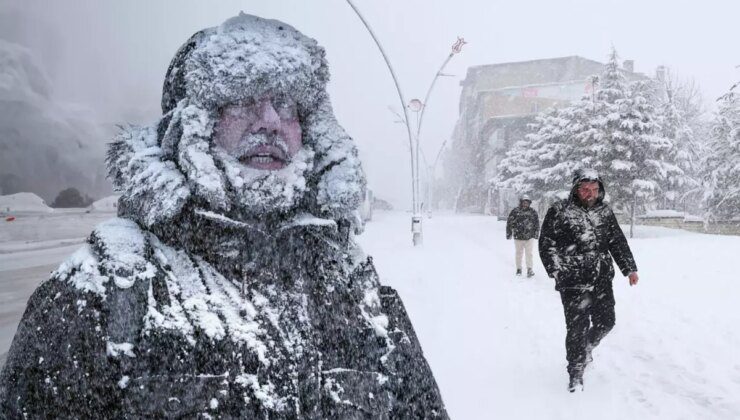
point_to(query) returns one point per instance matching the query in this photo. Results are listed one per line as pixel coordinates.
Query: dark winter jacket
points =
(523, 224)
(133, 327)
(213, 297)
(577, 244)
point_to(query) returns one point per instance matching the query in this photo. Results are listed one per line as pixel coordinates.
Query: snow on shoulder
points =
(115, 251)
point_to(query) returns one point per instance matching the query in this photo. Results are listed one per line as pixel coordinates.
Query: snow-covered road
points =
(495, 341)
(31, 247)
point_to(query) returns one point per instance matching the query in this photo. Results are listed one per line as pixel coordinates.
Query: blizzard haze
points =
(109, 58)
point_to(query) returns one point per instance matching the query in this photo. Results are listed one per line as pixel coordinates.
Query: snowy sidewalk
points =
(31, 247)
(496, 341)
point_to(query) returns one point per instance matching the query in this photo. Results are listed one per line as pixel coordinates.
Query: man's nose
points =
(268, 118)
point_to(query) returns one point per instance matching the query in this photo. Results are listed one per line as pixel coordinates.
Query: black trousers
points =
(589, 316)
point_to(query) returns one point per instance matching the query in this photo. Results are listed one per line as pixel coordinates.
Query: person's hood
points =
(586, 174)
(161, 168)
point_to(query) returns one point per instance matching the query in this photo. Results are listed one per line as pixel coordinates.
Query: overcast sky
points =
(111, 55)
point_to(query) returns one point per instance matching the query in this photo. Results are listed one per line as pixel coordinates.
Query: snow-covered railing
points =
(662, 214)
(679, 220)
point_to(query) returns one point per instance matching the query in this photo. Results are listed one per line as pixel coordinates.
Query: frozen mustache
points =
(263, 141)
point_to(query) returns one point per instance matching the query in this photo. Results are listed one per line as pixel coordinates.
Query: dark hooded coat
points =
(523, 224)
(188, 306)
(577, 244)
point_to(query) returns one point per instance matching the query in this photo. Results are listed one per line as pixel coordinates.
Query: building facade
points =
(497, 103)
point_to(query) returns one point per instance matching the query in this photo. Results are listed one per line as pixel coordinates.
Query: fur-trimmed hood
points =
(160, 169)
(586, 174)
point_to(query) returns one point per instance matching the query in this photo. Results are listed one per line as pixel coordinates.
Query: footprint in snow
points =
(638, 396)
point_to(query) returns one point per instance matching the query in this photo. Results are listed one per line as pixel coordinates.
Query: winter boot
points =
(575, 383)
(518, 271)
(576, 380)
(530, 272)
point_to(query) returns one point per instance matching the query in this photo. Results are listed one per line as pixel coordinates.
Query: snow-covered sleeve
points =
(509, 223)
(76, 338)
(619, 248)
(415, 390)
(548, 243)
(58, 359)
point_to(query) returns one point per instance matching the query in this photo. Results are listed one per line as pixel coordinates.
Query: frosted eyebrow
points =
(232, 110)
(239, 108)
(285, 103)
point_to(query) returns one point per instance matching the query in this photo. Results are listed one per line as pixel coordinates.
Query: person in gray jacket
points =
(523, 224)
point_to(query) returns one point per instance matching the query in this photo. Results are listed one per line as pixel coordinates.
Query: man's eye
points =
(286, 108)
(236, 111)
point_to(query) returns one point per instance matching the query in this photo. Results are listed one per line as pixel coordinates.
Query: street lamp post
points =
(418, 107)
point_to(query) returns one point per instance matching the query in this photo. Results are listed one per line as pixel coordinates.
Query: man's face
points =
(264, 134)
(588, 192)
(524, 204)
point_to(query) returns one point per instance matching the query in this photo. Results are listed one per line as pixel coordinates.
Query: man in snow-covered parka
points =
(230, 285)
(579, 238)
(523, 224)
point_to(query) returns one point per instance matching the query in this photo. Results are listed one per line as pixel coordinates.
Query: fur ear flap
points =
(194, 157)
(341, 183)
(169, 134)
(152, 188)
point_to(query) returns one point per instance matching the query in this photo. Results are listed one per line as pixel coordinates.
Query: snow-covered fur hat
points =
(161, 168)
(525, 197)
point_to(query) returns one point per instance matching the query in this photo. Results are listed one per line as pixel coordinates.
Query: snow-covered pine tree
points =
(686, 151)
(615, 131)
(539, 165)
(633, 159)
(722, 164)
(605, 136)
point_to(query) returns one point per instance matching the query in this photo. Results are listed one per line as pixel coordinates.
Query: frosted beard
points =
(255, 192)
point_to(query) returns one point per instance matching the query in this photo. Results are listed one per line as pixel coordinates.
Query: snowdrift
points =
(23, 202)
(107, 204)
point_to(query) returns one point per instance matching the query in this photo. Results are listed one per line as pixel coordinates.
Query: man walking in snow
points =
(580, 237)
(524, 225)
(230, 285)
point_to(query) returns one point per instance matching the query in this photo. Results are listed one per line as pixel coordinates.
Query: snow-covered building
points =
(496, 104)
